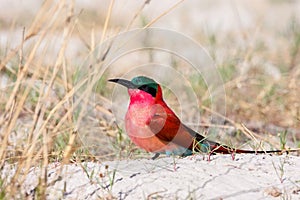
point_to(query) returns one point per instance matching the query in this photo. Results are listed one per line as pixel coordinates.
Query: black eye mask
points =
(148, 89)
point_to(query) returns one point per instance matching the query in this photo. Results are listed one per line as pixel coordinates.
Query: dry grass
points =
(45, 98)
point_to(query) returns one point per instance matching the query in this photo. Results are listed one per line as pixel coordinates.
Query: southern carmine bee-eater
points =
(153, 126)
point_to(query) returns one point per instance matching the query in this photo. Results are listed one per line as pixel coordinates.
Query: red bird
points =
(153, 126)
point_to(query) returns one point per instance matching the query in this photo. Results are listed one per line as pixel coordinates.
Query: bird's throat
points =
(141, 98)
(139, 111)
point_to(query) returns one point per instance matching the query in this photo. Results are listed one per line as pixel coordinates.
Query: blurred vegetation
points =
(49, 99)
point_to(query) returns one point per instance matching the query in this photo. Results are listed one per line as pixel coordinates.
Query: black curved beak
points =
(124, 82)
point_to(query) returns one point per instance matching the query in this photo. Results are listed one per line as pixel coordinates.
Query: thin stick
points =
(107, 20)
(163, 14)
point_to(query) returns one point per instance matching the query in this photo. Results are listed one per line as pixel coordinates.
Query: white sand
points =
(246, 177)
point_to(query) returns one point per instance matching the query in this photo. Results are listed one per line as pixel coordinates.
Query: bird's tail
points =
(229, 150)
(211, 147)
(202, 144)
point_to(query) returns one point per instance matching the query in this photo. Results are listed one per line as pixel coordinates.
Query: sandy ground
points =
(246, 177)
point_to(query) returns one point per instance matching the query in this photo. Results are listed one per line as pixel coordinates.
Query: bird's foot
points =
(156, 155)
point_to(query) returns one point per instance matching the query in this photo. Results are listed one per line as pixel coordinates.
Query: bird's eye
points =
(148, 89)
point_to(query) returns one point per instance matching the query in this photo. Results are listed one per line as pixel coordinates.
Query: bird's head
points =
(141, 86)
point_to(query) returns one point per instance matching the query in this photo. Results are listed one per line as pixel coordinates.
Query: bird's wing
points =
(167, 127)
(163, 123)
